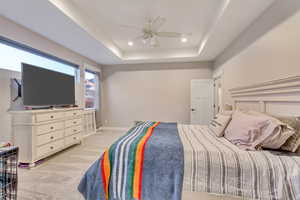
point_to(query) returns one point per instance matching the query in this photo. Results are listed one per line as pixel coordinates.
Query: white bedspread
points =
(215, 165)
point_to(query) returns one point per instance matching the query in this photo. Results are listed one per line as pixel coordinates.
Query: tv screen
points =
(42, 87)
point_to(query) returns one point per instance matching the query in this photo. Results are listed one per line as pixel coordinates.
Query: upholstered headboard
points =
(278, 97)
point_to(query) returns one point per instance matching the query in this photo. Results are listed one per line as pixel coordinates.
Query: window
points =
(13, 54)
(91, 89)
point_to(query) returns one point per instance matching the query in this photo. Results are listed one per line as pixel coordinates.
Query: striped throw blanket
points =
(146, 163)
(125, 158)
(215, 165)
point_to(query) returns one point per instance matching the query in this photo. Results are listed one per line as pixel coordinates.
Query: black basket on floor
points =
(8, 173)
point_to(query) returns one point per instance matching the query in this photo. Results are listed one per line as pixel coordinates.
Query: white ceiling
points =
(195, 18)
(93, 28)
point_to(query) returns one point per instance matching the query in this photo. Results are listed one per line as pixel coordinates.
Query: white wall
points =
(149, 92)
(272, 17)
(23, 35)
(5, 119)
(276, 55)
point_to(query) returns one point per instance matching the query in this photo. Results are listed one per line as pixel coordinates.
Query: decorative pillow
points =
(245, 130)
(293, 143)
(219, 123)
(227, 112)
(275, 134)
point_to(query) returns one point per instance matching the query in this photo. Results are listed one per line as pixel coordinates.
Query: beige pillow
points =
(293, 143)
(227, 112)
(219, 123)
(276, 133)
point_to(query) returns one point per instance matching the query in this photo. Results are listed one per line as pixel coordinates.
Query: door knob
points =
(193, 109)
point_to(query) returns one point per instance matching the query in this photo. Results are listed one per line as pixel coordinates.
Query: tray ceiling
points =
(95, 28)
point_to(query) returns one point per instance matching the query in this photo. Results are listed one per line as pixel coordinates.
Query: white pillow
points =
(276, 133)
(219, 123)
(244, 130)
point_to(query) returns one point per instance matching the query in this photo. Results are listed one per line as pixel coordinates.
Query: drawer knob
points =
(74, 130)
(51, 127)
(74, 113)
(74, 138)
(74, 122)
(51, 137)
(51, 147)
(51, 117)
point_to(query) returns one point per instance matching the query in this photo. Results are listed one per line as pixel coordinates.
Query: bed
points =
(191, 158)
(170, 161)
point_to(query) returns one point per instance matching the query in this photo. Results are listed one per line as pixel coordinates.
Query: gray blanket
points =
(162, 166)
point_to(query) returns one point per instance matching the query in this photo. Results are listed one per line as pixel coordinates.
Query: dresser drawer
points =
(49, 116)
(42, 129)
(73, 122)
(49, 137)
(51, 147)
(73, 113)
(73, 130)
(72, 139)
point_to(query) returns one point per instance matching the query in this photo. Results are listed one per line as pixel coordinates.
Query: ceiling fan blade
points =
(141, 37)
(130, 27)
(154, 42)
(157, 23)
(169, 34)
(147, 25)
(155, 45)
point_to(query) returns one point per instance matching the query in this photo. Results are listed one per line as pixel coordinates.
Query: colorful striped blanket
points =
(146, 163)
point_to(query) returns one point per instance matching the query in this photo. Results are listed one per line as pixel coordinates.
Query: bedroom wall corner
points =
(274, 56)
(277, 13)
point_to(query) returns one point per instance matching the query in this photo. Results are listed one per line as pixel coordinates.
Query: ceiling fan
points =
(151, 33)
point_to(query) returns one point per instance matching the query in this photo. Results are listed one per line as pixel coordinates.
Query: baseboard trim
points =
(90, 134)
(110, 128)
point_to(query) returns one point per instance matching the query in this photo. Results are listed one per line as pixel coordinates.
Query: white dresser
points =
(41, 133)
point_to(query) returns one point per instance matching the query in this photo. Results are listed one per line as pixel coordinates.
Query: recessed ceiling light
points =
(130, 43)
(184, 39)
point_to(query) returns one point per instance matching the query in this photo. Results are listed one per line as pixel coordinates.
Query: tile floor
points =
(57, 178)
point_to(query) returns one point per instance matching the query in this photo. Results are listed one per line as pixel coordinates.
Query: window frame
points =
(37, 52)
(97, 95)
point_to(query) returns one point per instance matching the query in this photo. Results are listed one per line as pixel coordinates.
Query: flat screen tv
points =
(42, 87)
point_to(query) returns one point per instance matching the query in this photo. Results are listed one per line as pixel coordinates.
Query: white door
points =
(201, 101)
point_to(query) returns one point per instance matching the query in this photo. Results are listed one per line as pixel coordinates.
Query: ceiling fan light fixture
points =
(153, 42)
(144, 41)
(150, 33)
(130, 43)
(184, 39)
